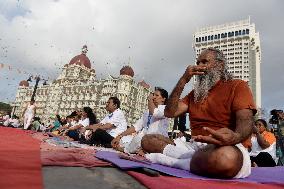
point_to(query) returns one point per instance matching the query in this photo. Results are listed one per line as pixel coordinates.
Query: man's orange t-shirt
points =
(219, 109)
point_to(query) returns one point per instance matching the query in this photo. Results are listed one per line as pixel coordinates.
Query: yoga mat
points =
(20, 165)
(168, 182)
(259, 175)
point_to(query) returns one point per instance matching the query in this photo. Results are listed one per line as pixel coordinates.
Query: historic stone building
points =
(77, 87)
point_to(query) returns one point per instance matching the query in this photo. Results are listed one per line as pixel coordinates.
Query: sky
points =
(154, 37)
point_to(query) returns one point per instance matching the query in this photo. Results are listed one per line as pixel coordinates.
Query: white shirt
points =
(256, 148)
(118, 120)
(158, 123)
(155, 124)
(84, 122)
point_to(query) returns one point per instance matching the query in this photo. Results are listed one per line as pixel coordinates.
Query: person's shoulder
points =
(118, 112)
(235, 82)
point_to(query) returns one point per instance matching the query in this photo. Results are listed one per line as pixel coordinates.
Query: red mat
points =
(20, 164)
(168, 182)
(71, 158)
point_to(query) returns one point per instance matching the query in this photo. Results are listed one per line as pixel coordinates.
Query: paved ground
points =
(80, 178)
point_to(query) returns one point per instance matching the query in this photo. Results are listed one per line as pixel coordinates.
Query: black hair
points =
(115, 100)
(73, 114)
(90, 114)
(263, 122)
(59, 118)
(163, 93)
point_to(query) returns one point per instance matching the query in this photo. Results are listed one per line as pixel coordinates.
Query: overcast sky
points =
(154, 37)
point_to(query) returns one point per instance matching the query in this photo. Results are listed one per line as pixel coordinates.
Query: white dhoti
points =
(180, 154)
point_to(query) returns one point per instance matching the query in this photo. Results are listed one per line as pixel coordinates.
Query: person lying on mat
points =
(221, 113)
(152, 121)
(109, 128)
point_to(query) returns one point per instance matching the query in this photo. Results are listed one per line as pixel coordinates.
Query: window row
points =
(222, 35)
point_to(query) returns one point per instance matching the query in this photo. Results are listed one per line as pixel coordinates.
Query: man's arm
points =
(244, 124)
(174, 106)
(151, 105)
(227, 137)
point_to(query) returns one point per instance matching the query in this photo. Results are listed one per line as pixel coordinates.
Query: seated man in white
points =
(152, 121)
(109, 128)
(263, 145)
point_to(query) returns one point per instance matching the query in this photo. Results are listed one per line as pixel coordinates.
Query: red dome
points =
(127, 70)
(144, 84)
(24, 83)
(81, 60)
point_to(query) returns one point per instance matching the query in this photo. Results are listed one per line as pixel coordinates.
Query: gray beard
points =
(204, 83)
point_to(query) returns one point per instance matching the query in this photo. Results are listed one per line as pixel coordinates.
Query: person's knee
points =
(146, 142)
(221, 162)
(153, 143)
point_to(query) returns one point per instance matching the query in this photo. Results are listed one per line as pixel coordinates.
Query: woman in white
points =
(29, 114)
(152, 121)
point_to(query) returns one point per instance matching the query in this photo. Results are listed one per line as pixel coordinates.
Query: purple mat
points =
(258, 175)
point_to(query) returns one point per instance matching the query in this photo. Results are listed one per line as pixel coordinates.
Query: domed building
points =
(127, 70)
(77, 87)
(24, 83)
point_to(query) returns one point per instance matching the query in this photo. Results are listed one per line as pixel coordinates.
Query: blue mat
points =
(258, 175)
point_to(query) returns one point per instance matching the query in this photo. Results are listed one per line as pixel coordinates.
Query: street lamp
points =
(35, 87)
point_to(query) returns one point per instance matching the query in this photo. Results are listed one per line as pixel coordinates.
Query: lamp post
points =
(35, 88)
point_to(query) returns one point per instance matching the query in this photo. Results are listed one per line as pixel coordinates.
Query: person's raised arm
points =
(174, 106)
(151, 105)
(260, 140)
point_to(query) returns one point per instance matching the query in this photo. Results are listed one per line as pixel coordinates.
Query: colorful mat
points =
(273, 175)
(20, 164)
(168, 182)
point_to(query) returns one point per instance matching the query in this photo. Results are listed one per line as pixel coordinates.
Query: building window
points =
(202, 38)
(236, 33)
(211, 37)
(196, 40)
(215, 37)
(205, 38)
(244, 32)
(247, 31)
(218, 36)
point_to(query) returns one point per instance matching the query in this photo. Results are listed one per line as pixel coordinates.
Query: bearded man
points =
(221, 113)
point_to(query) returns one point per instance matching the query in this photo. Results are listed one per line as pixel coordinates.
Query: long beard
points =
(205, 82)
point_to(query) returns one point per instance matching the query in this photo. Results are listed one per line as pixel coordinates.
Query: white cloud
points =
(154, 36)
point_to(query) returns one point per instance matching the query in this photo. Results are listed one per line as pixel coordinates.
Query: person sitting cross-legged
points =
(221, 113)
(109, 128)
(152, 121)
(263, 148)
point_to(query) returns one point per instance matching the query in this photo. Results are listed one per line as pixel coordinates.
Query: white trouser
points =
(180, 154)
(27, 120)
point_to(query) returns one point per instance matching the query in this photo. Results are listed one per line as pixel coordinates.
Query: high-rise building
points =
(241, 45)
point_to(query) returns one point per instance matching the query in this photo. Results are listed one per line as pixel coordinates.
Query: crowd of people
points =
(226, 140)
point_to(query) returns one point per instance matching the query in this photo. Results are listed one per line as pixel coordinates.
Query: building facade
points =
(77, 87)
(240, 44)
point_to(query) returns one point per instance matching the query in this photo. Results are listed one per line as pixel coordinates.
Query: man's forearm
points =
(172, 103)
(244, 124)
(129, 131)
(106, 126)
